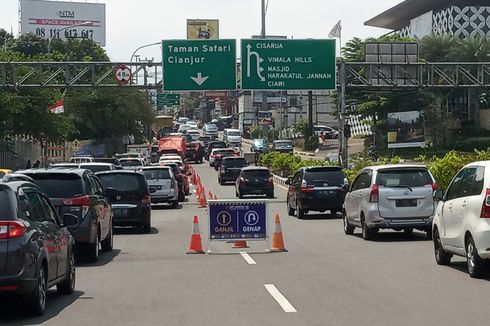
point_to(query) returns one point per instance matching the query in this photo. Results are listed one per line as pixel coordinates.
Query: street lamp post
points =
(57, 33)
(141, 47)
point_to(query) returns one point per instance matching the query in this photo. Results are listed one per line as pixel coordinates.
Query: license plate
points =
(120, 212)
(406, 203)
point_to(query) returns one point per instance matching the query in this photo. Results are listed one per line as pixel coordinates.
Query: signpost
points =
(166, 99)
(122, 74)
(238, 220)
(199, 65)
(288, 64)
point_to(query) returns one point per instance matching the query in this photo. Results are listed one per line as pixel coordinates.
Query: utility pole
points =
(310, 117)
(264, 93)
(343, 140)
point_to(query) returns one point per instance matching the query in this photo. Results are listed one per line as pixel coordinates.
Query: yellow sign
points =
(207, 29)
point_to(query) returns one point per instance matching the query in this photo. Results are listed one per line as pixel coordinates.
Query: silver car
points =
(398, 197)
(162, 185)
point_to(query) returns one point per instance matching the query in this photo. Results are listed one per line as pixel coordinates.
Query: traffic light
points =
(347, 131)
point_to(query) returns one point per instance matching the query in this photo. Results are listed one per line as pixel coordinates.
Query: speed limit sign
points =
(122, 74)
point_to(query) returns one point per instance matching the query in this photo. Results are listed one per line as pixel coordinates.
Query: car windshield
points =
(256, 173)
(402, 178)
(174, 167)
(96, 167)
(235, 163)
(224, 151)
(131, 163)
(121, 181)
(156, 174)
(234, 133)
(283, 144)
(211, 126)
(2, 174)
(324, 177)
(59, 185)
(258, 142)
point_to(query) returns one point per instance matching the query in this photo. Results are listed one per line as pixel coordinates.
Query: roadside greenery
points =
(284, 164)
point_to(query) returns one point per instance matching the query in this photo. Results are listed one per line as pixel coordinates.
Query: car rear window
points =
(407, 177)
(256, 174)
(123, 181)
(96, 168)
(2, 174)
(5, 205)
(58, 185)
(320, 177)
(131, 163)
(156, 174)
(235, 163)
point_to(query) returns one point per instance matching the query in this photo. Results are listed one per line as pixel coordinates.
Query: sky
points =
(133, 23)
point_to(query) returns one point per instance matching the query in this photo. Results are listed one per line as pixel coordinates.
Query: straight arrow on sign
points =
(200, 79)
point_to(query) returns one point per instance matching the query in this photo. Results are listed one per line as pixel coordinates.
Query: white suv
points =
(395, 196)
(461, 225)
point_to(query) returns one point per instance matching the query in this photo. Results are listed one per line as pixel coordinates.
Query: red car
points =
(182, 180)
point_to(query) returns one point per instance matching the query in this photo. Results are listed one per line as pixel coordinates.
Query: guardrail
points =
(279, 180)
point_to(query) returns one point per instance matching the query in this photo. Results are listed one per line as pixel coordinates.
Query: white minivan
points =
(461, 224)
(232, 137)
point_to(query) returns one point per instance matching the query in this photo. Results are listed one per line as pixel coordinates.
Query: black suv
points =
(130, 198)
(36, 249)
(212, 145)
(230, 169)
(317, 188)
(254, 180)
(79, 192)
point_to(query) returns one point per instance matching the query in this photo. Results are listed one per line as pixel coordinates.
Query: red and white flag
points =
(57, 107)
(336, 30)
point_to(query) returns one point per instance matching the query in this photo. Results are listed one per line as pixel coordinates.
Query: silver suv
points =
(398, 197)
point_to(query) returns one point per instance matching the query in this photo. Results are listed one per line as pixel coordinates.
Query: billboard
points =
(207, 29)
(405, 129)
(52, 19)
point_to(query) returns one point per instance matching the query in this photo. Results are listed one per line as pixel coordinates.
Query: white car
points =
(461, 225)
(192, 124)
(170, 157)
(184, 128)
(195, 134)
(394, 196)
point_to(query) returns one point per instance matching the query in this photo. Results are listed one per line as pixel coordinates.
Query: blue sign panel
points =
(237, 220)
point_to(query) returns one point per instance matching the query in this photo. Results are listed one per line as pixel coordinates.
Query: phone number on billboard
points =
(68, 33)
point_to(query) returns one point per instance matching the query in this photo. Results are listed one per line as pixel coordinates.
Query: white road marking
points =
(247, 258)
(283, 302)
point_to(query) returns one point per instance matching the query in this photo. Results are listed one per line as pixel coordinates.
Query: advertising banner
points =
(207, 29)
(405, 129)
(265, 118)
(64, 20)
(240, 219)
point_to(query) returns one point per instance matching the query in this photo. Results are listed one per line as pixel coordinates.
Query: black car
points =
(283, 146)
(230, 169)
(36, 249)
(130, 198)
(317, 188)
(212, 145)
(254, 180)
(220, 154)
(79, 192)
(112, 160)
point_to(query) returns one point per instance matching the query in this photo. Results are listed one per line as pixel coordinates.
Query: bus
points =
(163, 125)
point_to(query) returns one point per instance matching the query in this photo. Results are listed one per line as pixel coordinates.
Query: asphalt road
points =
(327, 277)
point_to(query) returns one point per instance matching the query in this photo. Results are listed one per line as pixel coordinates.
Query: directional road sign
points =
(241, 219)
(166, 99)
(288, 64)
(199, 65)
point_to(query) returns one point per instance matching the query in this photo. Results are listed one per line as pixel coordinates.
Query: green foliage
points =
(286, 164)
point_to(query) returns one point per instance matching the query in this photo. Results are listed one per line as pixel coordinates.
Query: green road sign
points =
(199, 65)
(288, 64)
(168, 99)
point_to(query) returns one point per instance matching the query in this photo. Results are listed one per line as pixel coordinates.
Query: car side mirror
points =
(438, 195)
(70, 219)
(110, 192)
(289, 181)
(152, 190)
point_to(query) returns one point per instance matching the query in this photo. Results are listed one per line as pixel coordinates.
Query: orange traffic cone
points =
(210, 194)
(277, 240)
(240, 244)
(202, 201)
(195, 247)
(215, 197)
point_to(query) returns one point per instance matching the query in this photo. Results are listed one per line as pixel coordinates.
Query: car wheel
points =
(408, 231)
(348, 228)
(93, 250)
(220, 182)
(442, 257)
(300, 214)
(271, 195)
(290, 209)
(476, 267)
(68, 285)
(146, 228)
(181, 196)
(175, 204)
(367, 233)
(216, 168)
(37, 301)
(108, 243)
(210, 164)
(429, 233)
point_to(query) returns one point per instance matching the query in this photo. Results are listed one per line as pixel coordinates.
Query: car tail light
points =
(242, 180)
(6, 288)
(269, 181)
(374, 196)
(435, 186)
(485, 210)
(11, 229)
(307, 188)
(223, 169)
(82, 201)
(146, 200)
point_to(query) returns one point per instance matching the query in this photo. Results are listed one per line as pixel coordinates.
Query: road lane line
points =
(247, 258)
(283, 302)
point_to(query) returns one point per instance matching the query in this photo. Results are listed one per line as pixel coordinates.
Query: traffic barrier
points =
(195, 246)
(202, 201)
(238, 244)
(277, 239)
